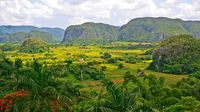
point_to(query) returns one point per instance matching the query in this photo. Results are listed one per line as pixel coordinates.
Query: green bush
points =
(106, 55)
(131, 59)
(112, 60)
(69, 61)
(120, 66)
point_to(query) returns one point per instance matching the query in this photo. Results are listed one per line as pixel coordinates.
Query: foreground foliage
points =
(45, 92)
(41, 90)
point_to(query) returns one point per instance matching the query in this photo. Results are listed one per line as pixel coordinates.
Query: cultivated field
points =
(81, 54)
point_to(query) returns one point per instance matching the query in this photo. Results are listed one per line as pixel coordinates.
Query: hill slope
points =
(157, 29)
(146, 29)
(56, 33)
(141, 29)
(178, 54)
(90, 32)
(33, 45)
(19, 37)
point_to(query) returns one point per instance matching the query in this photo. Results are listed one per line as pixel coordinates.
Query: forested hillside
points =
(19, 37)
(90, 33)
(178, 54)
(140, 29)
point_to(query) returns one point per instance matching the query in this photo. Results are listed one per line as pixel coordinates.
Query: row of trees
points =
(128, 59)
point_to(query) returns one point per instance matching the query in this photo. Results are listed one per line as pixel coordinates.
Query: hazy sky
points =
(62, 13)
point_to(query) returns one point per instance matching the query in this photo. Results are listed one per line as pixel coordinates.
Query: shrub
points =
(120, 66)
(112, 60)
(106, 55)
(68, 61)
(131, 59)
(103, 68)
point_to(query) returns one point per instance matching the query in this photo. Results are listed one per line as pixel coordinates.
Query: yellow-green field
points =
(61, 53)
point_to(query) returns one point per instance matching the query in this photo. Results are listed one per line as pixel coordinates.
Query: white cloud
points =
(62, 13)
(189, 11)
(22, 12)
(171, 1)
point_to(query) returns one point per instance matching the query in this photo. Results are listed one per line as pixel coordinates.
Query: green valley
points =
(147, 65)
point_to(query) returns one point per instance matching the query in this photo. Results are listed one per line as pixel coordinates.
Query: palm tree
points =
(6, 67)
(134, 94)
(120, 97)
(46, 93)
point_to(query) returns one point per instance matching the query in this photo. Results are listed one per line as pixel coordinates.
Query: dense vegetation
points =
(178, 54)
(85, 79)
(35, 87)
(33, 45)
(9, 47)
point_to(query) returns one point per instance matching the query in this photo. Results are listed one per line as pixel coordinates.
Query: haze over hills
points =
(8, 32)
(146, 29)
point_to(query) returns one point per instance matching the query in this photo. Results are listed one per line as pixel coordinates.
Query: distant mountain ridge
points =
(57, 33)
(19, 37)
(147, 29)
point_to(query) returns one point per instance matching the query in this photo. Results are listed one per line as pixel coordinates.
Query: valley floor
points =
(84, 54)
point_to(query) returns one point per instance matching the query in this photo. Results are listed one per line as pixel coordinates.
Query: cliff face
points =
(141, 29)
(157, 29)
(91, 32)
